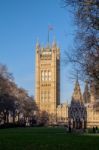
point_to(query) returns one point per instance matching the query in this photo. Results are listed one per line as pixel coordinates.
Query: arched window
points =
(46, 75)
(42, 75)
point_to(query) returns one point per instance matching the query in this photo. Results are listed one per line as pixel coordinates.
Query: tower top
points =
(37, 44)
(47, 46)
(54, 44)
(86, 94)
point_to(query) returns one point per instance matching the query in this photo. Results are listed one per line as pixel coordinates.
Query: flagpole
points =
(50, 28)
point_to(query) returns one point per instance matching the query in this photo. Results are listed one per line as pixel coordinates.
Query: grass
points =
(46, 139)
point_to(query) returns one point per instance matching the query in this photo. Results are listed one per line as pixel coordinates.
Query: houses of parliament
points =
(82, 112)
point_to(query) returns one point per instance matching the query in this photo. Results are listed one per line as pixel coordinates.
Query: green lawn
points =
(46, 139)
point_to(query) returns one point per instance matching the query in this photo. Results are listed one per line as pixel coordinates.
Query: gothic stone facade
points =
(81, 113)
(48, 83)
(84, 110)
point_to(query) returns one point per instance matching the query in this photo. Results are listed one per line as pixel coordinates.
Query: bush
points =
(11, 125)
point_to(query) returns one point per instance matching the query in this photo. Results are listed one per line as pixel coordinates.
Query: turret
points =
(54, 44)
(86, 94)
(56, 49)
(37, 70)
(92, 92)
(77, 96)
(37, 46)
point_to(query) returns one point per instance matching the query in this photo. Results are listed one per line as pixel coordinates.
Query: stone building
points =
(62, 114)
(47, 89)
(83, 110)
(92, 106)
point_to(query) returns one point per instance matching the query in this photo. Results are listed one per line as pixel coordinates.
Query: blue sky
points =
(21, 23)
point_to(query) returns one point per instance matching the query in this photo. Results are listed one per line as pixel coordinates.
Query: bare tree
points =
(13, 100)
(85, 54)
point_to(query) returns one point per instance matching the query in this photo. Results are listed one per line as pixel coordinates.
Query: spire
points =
(37, 44)
(92, 92)
(86, 94)
(54, 44)
(77, 96)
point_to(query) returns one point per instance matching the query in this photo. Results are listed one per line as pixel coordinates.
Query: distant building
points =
(92, 106)
(84, 109)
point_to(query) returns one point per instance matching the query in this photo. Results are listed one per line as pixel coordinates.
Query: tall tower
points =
(47, 89)
(92, 92)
